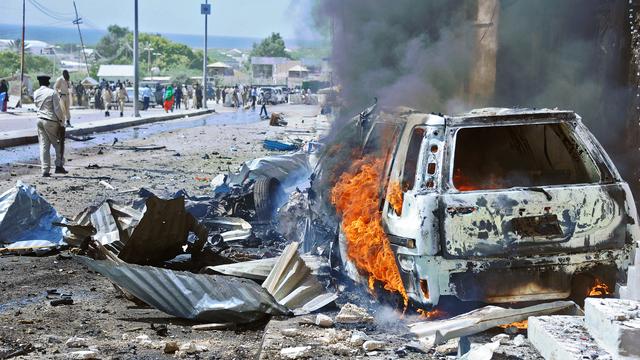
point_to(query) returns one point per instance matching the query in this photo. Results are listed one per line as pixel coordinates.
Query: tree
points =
(34, 64)
(272, 46)
(116, 48)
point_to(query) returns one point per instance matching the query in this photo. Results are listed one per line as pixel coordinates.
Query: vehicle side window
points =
(411, 161)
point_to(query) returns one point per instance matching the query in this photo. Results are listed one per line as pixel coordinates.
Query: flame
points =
(599, 288)
(463, 183)
(356, 199)
(522, 325)
(394, 196)
(433, 314)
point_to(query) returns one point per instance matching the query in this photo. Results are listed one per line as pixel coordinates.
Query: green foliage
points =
(34, 64)
(272, 46)
(311, 53)
(116, 48)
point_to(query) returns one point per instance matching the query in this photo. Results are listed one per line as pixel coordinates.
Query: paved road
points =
(26, 120)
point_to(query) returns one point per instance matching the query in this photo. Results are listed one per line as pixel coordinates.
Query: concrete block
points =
(631, 291)
(615, 324)
(561, 337)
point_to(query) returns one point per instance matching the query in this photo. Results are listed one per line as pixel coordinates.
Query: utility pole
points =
(205, 9)
(78, 21)
(149, 49)
(136, 70)
(22, 53)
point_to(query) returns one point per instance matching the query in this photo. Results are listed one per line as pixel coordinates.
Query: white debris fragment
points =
(323, 321)
(358, 338)
(83, 355)
(502, 338)
(371, 345)
(450, 347)
(193, 348)
(352, 314)
(482, 352)
(519, 340)
(298, 352)
(77, 342)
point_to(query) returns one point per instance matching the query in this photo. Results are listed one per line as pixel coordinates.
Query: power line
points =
(51, 13)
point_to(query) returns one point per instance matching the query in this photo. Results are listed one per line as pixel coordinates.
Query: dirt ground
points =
(192, 157)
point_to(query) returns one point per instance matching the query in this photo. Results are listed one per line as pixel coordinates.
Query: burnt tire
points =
(267, 194)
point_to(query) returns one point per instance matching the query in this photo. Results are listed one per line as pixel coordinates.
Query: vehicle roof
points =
(484, 116)
(489, 116)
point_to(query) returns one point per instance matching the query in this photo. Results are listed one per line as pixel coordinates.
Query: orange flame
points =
(394, 196)
(433, 314)
(599, 288)
(356, 198)
(522, 325)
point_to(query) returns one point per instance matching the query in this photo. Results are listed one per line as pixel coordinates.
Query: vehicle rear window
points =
(502, 157)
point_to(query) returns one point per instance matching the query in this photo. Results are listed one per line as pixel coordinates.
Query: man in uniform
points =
(50, 120)
(62, 89)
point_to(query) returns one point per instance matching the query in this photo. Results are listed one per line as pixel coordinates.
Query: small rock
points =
(450, 347)
(296, 352)
(503, 338)
(340, 349)
(191, 348)
(323, 321)
(62, 301)
(144, 340)
(77, 342)
(519, 340)
(171, 347)
(84, 354)
(371, 345)
(290, 332)
(358, 338)
(352, 314)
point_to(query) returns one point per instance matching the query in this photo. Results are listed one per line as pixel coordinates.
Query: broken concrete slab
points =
(353, 314)
(615, 324)
(631, 290)
(564, 337)
(482, 319)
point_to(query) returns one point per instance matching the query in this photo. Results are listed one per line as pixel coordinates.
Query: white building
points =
(113, 73)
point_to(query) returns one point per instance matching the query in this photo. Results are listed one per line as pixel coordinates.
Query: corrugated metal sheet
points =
(207, 298)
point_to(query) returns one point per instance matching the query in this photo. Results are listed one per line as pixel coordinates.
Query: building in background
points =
(114, 73)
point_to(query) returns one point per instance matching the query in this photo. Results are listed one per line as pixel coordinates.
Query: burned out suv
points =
(502, 205)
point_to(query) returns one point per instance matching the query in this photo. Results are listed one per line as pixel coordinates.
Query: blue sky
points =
(246, 18)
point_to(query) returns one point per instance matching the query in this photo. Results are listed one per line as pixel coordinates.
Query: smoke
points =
(404, 52)
(570, 54)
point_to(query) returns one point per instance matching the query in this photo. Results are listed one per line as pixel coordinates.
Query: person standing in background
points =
(50, 119)
(198, 96)
(107, 97)
(4, 94)
(122, 96)
(146, 97)
(178, 96)
(185, 96)
(168, 98)
(80, 94)
(254, 97)
(61, 87)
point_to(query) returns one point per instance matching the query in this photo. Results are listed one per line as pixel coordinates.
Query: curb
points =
(33, 139)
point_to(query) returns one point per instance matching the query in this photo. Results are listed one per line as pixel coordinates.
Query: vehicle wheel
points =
(267, 194)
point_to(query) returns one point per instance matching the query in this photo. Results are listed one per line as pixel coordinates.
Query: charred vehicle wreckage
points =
(496, 205)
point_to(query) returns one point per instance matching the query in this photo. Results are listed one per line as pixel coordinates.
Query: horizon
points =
(225, 20)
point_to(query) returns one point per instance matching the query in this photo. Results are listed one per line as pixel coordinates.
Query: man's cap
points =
(43, 77)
